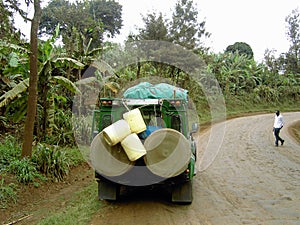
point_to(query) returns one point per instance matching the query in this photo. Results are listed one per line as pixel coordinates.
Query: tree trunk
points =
(138, 73)
(33, 81)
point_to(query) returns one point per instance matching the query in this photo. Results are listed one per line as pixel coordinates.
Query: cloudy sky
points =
(260, 23)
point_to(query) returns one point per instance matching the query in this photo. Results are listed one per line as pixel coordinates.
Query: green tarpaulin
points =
(146, 90)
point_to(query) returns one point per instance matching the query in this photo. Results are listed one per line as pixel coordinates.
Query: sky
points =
(259, 23)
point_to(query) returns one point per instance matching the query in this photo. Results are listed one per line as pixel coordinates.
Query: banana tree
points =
(54, 66)
(52, 82)
(14, 71)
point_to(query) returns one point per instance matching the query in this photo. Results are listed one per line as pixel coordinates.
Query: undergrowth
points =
(47, 163)
(77, 210)
(7, 193)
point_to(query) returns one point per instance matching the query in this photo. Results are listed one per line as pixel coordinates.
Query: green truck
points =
(168, 140)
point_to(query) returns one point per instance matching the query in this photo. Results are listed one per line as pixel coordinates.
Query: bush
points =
(51, 161)
(266, 93)
(62, 133)
(7, 193)
(10, 150)
(74, 156)
(25, 171)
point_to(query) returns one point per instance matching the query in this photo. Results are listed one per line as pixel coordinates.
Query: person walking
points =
(278, 124)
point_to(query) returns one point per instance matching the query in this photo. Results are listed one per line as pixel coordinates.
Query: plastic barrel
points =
(135, 120)
(133, 147)
(116, 132)
(108, 160)
(168, 153)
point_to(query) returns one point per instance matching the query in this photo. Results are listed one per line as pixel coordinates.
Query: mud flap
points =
(183, 193)
(107, 190)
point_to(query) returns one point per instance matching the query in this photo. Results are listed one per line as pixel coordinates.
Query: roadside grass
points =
(46, 164)
(7, 193)
(78, 210)
(294, 130)
(236, 107)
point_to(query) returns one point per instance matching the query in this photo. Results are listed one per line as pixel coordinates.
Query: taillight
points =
(106, 102)
(175, 103)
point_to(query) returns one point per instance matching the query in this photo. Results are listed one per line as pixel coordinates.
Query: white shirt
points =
(278, 122)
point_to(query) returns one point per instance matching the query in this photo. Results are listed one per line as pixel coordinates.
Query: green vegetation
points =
(7, 193)
(85, 20)
(47, 163)
(78, 210)
(24, 170)
(295, 131)
(241, 48)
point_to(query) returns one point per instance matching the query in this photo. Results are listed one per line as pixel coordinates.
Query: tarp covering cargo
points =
(146, 90)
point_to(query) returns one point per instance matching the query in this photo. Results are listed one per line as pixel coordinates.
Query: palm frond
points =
(113, 86)
(14, 93)
(66, 83)
(70, 60)
(51, 116)
(5, 44)
(103, 67)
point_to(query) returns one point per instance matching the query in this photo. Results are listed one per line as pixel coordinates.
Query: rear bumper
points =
(140, 177)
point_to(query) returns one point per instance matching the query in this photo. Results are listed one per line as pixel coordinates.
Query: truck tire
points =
(108, 190)
(183, 193)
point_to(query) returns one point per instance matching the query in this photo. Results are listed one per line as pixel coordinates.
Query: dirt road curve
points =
(249, 181)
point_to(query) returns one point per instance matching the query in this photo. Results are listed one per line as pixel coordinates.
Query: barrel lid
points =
(108, 160)
(168, 152)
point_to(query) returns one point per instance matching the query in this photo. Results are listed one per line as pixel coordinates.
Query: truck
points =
(171, 152)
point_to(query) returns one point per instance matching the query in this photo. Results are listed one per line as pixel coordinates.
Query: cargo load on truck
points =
(144, 139)
(146, 90)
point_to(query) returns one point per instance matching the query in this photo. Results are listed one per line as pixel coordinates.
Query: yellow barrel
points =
(168, 152)
(135, 120)
(116, 132)
(133, 147)
(108, 160)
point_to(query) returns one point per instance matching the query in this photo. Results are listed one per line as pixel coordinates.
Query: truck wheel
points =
(108, 190)
(183, 193)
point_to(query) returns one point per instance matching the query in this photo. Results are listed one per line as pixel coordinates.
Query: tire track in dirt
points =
(250, 181)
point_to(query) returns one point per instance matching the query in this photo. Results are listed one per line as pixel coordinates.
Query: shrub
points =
(74, 156)
(10, 150)
(51, 161)
(266, 93)
(7, 193)
(25, 171)
(62, 129)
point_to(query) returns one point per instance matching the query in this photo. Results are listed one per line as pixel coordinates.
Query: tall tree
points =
(33, 81)
(82, 20)
(293, 33)
(8, 31)
(185, 29)
(155, 28)
(241, 48)
(110, 14)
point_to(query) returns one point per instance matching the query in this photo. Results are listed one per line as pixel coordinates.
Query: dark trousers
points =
(277, 138)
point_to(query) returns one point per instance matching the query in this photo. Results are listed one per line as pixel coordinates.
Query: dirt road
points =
(245, 181)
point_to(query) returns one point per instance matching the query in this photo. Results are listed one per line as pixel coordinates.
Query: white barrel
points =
(108, 160)
(133, 147)
(135, 120)
(116, 132)
(168, 152)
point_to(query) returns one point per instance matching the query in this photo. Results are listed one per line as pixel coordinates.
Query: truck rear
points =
(164, 154)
